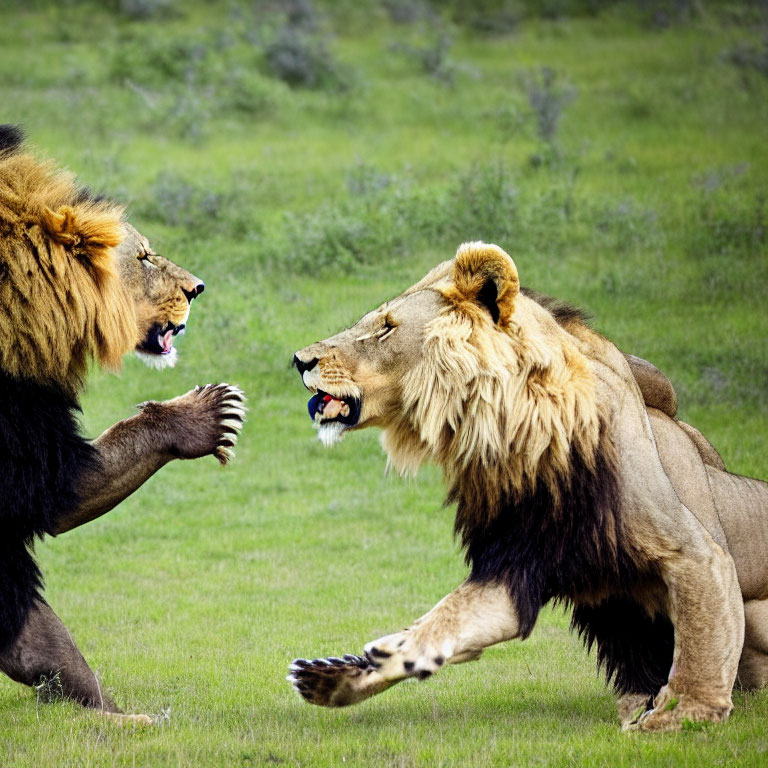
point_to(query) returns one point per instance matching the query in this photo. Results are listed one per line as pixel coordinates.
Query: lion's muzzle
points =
(331, 413)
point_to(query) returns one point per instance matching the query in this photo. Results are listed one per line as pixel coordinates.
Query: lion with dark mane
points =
(574, 481)
(78, 283)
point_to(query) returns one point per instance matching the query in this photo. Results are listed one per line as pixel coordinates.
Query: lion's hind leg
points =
(753, 665)
(44, 656)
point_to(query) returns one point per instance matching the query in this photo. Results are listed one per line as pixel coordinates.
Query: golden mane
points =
(61, 301)
(501, 404)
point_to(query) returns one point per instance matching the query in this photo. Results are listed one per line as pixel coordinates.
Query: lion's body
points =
(573, 481)
(76, 284)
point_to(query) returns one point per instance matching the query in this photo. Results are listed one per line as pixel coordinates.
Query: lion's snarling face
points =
(161, 292)
(356, 376)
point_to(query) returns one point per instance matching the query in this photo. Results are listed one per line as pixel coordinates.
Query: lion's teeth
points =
(333, 408)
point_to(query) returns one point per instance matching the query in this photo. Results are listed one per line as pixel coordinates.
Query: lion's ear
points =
(88, 231)
(90, 226)
(486, 275)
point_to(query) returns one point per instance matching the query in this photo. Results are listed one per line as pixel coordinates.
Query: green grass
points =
(301, 209)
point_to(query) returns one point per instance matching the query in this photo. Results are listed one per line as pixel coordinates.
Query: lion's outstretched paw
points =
(205, 421)
(335, 682)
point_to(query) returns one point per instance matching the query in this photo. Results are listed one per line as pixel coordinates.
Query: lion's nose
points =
(195, 291)
(301, 366)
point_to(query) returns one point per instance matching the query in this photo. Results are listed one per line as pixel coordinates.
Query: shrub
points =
(296, 60)
(404, 11)
(248, 92)
(154, 61)
(145, 9)
(302, 59)
(749, 57)
(481, 204)
(547, 98)
(200, 209)
(432, 58)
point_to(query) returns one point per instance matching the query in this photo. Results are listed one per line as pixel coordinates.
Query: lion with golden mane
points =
(78, 283)
(573, 481)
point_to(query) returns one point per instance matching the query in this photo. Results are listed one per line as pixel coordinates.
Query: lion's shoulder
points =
(655, 387)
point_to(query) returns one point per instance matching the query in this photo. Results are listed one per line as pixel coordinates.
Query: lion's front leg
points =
(457, 629)
(205, 421)
(707, 611)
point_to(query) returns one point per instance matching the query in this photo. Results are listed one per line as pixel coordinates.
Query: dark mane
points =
(11, 138)
(633, 649)
(570, 547)
(41, 458)
(564, 313)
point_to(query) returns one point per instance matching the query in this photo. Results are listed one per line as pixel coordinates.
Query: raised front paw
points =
(205, 421)
(335, 682)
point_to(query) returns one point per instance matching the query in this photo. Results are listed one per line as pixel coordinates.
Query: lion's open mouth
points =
(325, 409)
(157, 349)
(159, 339)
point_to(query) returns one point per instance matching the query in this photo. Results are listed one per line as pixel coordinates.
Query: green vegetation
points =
(309, 164)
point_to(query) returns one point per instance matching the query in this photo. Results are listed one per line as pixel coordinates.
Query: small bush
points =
(249, 92)
(749, 57)
(385, 216)
(183, 82)
(502, 16)
(488, 16)
(154, 61)
(727, 228)
(547, 98)
(432, 58)
(145, 9)
(200, 209)
(625, 226)
(482, 204)
(303, 61)
(177, 202)
(365, 180)
(405, 11)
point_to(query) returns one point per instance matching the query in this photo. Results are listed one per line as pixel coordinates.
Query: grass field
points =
(621, 157)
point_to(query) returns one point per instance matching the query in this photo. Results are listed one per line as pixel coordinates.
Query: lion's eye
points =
(387, 328)
(145, 262)
(380, 332)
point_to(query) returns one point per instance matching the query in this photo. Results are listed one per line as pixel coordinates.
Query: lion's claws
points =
(232, 409)
(323, 681)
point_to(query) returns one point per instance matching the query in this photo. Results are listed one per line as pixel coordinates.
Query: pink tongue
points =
(168, 341)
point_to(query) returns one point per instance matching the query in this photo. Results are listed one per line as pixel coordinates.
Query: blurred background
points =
(309, 159)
